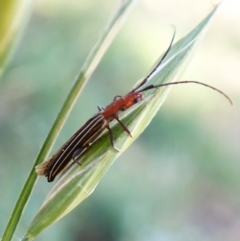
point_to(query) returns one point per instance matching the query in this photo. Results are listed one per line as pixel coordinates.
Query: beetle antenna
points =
(145, 80)
(187, 82)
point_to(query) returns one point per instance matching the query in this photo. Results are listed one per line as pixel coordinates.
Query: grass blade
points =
(80, 181)
(13, 18)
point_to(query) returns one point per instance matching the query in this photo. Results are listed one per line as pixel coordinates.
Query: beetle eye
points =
(137, 100)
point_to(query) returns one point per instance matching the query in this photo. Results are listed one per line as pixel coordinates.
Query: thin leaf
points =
(13, 18)
(80, 181)
(89, 66)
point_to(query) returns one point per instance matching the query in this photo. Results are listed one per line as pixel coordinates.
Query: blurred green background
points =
(180, 180)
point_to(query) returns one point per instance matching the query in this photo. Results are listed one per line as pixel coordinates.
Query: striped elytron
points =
(93, 128)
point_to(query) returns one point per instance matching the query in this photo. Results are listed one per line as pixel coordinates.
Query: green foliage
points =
(43, 91)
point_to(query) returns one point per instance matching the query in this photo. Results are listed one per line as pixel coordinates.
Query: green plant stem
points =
(14, 16)
(89, 66)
